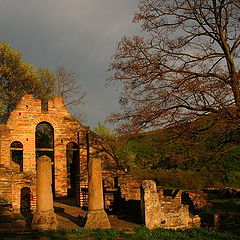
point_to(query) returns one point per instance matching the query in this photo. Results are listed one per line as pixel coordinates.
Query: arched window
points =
(44, 144)
(72, 153)
(16, 149)
(44, 136)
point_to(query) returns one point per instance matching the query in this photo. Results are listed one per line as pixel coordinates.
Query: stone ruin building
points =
(37, 128)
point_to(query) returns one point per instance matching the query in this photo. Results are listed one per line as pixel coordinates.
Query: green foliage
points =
(141, 152)
(229, 205)
(18, 77)
(108, 141)
(142, 233)
(190, 156)
(103, 131)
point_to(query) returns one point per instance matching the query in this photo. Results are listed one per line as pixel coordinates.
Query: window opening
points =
(16, 149)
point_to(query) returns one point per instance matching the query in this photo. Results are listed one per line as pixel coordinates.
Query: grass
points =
(139, 233)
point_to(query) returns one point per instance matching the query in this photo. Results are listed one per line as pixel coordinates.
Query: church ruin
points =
(36, 128)
(39, 128)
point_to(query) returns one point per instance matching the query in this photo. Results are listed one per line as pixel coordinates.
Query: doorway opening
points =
(44, 145)
(72, 154)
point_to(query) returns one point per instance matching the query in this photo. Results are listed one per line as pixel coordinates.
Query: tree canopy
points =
(18, 78)
(185, 65)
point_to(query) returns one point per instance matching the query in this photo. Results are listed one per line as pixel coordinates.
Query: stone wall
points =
(21, 127)
(15, 187)
(165, 210)
(23, 192)
(5, 185)
(115, 184)
(129, 187)
(195, 199)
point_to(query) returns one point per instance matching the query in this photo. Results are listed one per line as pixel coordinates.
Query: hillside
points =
(200, 154)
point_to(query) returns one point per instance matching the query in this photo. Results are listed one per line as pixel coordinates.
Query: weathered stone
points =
(96, 217)
(165, 210)
(151, 209)
(21, 127)
(44, 218)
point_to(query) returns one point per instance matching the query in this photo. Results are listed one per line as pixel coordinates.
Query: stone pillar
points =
(44, 218)
(150, 204)
(96, 217)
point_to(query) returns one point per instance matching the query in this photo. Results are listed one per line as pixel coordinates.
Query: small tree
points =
(185, 66)
(18, 78)
(106, 141)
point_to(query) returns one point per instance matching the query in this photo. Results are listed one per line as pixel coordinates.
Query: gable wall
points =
(21, 127)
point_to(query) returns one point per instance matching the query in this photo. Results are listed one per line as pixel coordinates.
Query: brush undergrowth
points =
(138, 233)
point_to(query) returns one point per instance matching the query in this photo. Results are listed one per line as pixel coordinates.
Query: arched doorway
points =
(16, 149)
(44, 145)
(72, 154)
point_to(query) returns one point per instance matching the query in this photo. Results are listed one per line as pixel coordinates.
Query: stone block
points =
(150, 205)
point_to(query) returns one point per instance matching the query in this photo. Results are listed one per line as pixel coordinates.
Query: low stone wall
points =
(160, 209)
(225, 220)
(195, 199)
(224, 192)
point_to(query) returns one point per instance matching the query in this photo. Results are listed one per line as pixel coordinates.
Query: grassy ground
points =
(139, 233)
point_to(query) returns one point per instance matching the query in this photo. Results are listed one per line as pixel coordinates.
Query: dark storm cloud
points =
(78, 34)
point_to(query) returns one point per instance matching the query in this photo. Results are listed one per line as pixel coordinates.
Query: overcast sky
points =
(78, 34)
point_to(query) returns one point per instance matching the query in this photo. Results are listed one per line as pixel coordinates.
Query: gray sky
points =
(78, 34)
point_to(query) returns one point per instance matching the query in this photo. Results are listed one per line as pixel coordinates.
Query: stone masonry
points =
(18, 139)
(151, 209)
(165, 211)
(21, 127)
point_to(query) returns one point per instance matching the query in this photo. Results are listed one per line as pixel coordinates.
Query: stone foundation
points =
(45, 220)
(97, 219)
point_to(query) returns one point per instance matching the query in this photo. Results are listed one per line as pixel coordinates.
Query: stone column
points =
(44, 218)
(150, 205)
(96, 217)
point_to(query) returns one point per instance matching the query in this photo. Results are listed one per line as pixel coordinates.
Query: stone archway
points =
(44, 145)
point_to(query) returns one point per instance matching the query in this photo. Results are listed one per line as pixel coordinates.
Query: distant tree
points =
(105, 141)
(186, 65)
(103, 131)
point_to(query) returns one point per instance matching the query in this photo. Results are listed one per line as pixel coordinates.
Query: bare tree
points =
(69, 87)
(185, 66)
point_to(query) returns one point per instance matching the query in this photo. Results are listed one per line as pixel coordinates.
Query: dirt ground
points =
(69, 216)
